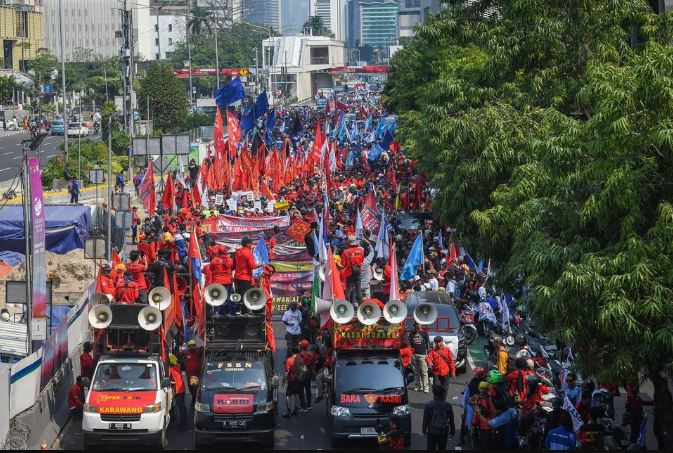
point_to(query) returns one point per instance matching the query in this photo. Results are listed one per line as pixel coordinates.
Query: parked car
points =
(77, 130)
(57, 127)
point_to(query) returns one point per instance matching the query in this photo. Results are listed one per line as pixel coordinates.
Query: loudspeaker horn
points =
(235, 298)
(254, 299)
(321, 272)
(149, 318)
(425, 313)
(395, 311)
(369, 313)
(377, 273)
(216, 294)
(100, 316)
(100, 298)
(322, 305)
(342, 311)
(160, 298)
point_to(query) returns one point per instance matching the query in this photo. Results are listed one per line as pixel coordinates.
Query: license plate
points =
(239, 424)
(119, 426)
(368, 431)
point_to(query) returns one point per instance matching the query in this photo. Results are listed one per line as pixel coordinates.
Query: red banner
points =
(370, 215)
(233, 224)
(285, 288)
(358, 336)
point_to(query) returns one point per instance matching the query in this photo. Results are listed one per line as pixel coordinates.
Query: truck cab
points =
(129, 401)
(238, 392)
(365, 389)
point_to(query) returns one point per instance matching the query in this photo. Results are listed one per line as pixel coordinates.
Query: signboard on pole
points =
(39, 266)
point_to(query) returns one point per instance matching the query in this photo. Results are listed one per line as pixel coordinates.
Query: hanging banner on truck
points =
(358, 336)
(286, 287)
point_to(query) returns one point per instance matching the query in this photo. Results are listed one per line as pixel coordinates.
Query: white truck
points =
(129, 401)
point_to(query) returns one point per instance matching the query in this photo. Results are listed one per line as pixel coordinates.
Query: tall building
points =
(21, 31)
(378, 22)
(334, 15)
(262, 12)
(158, 41)
(293, 16)
(91, 33)
(408, 15)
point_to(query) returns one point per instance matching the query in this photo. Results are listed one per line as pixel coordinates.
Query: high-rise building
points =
(378, 22)
(334, 15)
(21, 30)
(262, 12)
(227, 12)
(89, 32)
(293, 16)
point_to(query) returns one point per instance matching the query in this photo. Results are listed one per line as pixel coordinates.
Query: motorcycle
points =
(467, 317)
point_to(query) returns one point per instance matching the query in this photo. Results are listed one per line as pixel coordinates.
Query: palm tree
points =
(200, 18)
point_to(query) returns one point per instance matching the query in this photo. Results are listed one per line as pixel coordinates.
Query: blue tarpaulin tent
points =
(67, 227)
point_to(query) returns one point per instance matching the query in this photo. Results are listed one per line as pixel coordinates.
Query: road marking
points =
(9, 152)
(4, 169)
(19, 144)
(470, 361)
(17, 157)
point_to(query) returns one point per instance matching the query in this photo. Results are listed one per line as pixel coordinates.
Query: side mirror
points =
(166, 383)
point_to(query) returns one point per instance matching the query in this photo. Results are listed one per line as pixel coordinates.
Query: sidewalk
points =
(86, 194)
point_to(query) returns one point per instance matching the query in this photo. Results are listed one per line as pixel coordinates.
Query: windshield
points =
(234, 376)
(127, 377)
(73, 125)
(57, 123)
(368, 375)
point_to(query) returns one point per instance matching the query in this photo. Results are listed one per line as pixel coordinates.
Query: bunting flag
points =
(394, 278)
(234, 134)
(167, 198)
(147, 195)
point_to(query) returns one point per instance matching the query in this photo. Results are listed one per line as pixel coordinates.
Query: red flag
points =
(147, 195)
(234, 132)
(452, 254)
(196, 195)
(298, 228)
(267, 192)
(167, 198)
(218, 134)
(394, 282)
(115, 258)
(338, 105)
(317, 144)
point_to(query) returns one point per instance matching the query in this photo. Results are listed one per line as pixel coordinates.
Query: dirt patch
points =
(71, 274)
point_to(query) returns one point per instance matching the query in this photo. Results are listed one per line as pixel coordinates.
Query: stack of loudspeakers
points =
(369, 313)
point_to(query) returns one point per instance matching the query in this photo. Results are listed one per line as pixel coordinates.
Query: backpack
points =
(439, 420)
(299, 369)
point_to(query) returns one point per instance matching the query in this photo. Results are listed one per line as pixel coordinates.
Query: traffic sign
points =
(47, 88)
(243, 72)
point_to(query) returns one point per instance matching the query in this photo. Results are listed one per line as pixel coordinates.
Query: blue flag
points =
(368, 124)
(375, 153)
(230, 93)
(354, 133)
(261, 254)
(469, 261)
(271, 119)
(261, 104)
(415, 259)
(386, 140)
(248, 121)
(380, 128)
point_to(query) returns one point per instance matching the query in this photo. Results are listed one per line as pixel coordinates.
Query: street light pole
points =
(217, 58)
(191, 89)
(109, 189)
(65, 110)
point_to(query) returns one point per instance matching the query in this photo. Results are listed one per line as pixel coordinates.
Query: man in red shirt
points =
(178, 384)
(352, 259)
(271, 242)
(107, 280)
(387, 272)
(76, 397)
(440, 360)
(292, 364)
(192, 361)
(244, 264)
(137, 267)
(220, 271)
(127, 290)
(86, 363)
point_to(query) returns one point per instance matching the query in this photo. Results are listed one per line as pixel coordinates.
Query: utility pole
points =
(127, 65)
(65, 110)
(158, 35)
(191, 88)
(217, 58)
(109, 189)
(256, 70)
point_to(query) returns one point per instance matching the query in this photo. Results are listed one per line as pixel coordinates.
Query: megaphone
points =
(368, 313)
(100, 298)
(342, 311)
(254, 299)
(395, 311)
(322, 305)
(149, 318)
(235, 298)
(425, 313)
(377, 273)
(216, 294)
(100, 316)
(321, 272)
(159, 298)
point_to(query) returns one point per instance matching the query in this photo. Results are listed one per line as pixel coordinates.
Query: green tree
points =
(43, 64)
(167, 97)
(317, 27)
(550, 137)
(7, 86)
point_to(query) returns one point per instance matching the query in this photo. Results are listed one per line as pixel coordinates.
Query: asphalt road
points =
(11, 151)
(308, 431)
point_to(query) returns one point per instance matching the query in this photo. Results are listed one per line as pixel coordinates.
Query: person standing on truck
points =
(420, 342)
(76, 397)
(294, 369)
(438, 421)
(178, 384)
(86, 363)
(292, 320)
(220, 271)
(352, 259)
(244, 264)
(440, 360)
(126, 291)
(192, 362)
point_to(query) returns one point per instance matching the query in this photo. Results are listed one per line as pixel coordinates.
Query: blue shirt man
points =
(560, 439)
